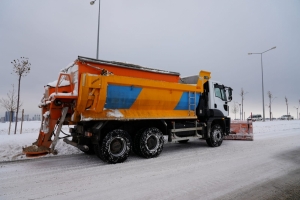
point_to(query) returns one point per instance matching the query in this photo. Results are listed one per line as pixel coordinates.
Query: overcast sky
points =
(181, 36)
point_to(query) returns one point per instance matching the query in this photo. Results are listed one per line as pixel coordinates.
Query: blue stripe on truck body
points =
(183, 103)
(121, 97)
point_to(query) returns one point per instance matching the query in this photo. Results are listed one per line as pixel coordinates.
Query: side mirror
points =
(230, 94)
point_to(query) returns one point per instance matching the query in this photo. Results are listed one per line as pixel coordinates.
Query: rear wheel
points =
(216, 136)
(149, 142)
(115, 147)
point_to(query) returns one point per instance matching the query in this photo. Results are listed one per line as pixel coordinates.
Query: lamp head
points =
(249, 53)
(92, 2)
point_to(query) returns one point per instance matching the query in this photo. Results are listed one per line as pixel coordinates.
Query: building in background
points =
(7, 116)
(36, 118)
(26, 118)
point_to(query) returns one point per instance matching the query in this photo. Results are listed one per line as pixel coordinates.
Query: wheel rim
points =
(217, 134)
(117, 146)
(152, 143)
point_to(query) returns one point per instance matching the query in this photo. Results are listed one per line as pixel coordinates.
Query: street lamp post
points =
(262, 80)
(92, 3)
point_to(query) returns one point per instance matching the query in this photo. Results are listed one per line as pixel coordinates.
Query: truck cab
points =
(213, 106)
(218, 98)
(214, 100)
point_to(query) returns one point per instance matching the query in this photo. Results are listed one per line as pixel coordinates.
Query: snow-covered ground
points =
(11, 145)
(266, 168)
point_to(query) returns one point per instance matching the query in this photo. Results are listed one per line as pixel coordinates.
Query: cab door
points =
(219, 98)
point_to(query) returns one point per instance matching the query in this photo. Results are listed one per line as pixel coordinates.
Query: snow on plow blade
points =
(35, 151)
(41, 147)
(240, 130)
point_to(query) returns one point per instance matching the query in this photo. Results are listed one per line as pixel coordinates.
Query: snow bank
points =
(11, 145)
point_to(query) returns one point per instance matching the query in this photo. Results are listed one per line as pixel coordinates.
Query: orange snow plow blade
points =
(240, 130)
(35, 151)
(38, 148)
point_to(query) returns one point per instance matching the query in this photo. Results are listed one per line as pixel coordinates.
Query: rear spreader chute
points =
(48, 136)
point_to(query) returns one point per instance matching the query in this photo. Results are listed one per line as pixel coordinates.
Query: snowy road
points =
(266, 168)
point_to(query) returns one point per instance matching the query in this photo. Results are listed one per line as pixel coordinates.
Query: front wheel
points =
(216, 136)
(115, 147)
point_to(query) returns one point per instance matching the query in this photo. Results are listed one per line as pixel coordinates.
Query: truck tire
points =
(149, 143)
(216, 136)
(115, 147)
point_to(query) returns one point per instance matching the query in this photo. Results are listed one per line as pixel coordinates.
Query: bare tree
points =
(235, 109)
(10, 105)
(242, 95)
(21, 68)
(287, 105)
(271, 98)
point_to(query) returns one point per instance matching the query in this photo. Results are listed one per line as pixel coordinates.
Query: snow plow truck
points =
(116, 107)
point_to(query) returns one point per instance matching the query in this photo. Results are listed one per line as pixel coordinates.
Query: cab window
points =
(220, 92)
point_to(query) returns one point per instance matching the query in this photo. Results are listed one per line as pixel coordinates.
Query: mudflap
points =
(240, 130)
